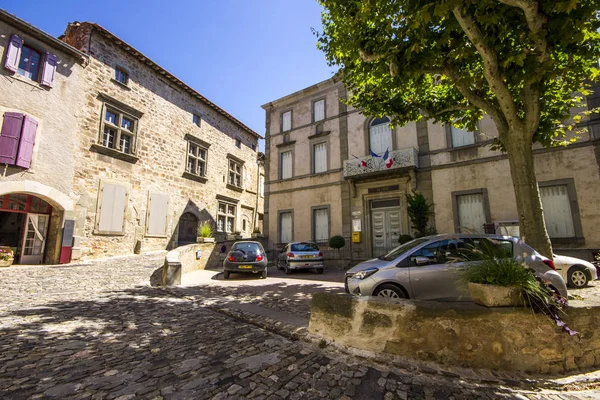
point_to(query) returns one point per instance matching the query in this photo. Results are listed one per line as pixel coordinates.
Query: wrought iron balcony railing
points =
(370, 165)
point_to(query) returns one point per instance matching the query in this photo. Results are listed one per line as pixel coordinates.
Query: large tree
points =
(525, 63)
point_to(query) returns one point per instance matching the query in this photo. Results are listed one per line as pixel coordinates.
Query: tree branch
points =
(457, 107)
(367, 56)
(491, 68)
(531, 107)
(535, 23)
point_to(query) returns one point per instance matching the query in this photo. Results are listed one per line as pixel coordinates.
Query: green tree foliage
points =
(337, 242)
(519, 61)
(419, 211)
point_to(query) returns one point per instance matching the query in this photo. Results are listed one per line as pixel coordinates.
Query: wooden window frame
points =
(578, 239)
(196, 157)
(41, 61)
(226, 215)
(233, 172)
(315, 101)
(486, 205)
(124, 73)
(314, 220)
(119, 130)
(279, 213)
(291, 120)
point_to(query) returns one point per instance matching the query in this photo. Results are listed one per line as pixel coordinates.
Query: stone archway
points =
(188, 229)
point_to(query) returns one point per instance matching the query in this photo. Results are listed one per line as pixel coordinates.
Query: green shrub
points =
(205, 229)
(419, 211)
(337, 242)
(404, 239)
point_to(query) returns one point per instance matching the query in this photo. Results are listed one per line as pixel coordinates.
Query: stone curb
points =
(385, 361)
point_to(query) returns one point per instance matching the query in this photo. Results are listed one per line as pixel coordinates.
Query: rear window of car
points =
(247, 247)
(304, 247)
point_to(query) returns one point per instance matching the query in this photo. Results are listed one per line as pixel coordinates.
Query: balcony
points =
(364, 167)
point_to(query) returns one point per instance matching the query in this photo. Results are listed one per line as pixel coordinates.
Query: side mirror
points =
(420, 260)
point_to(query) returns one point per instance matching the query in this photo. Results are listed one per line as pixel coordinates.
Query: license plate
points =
(245, 267)
(307, 256)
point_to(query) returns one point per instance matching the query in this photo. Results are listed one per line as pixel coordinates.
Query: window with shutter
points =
(49, 70)
(321, 224)
(320, 157)
(285, 227)
(13, 53)
(471, 214)
(380, 136)
(261, 186)
(112, 203)
(461, 137)
(319, 110)
(286, 121)
(12, 126)
(27, 142)
(158, 207)
(557, 211)
(286, 165)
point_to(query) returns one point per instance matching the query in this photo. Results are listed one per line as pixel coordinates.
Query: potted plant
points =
(206, 233)
(256, 232)
(237, 235)
(6, 256)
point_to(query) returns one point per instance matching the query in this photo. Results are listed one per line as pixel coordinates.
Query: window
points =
(17, 139)
(460, 137)
(557, 211)
(196, 119)
(320, 157)
(471, 214)
(121, 76)
(261, 186)
(285, 227)
(286, 165)
(380, 136)
(156, 218)
(112, 203)
(26, 61)
(238, 143)
(226, 217)
(118, 130)
(434, 252)
(196, 159)
(253, 147)
(286, 121)
(235, 173)
(320, 224)
(319, 110)
(286, 137)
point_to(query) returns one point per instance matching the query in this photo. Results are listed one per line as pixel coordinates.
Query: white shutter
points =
(557, 211)
(261, 185)
(286, 165)
(380, 137)
(286, 121)
(319, 110)
(471, 215)
(321, 225)
(112, 208)
(320, 157)
(461, 137)
(158, 205)
(285, 227)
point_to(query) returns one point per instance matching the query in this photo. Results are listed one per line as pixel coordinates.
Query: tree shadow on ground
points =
(145, 342)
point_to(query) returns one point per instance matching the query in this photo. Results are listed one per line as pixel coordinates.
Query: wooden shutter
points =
(49, 70)
(112, 208)
(13, 53)
(321, 221)
(286, 165)
(471, 215)
(320, 157)
(462, 137)
(158, 206)
(286, 227)
(9, 137)
(286, 121)
(557, 211)
(27, 142)
(319, 110)
(380, 137)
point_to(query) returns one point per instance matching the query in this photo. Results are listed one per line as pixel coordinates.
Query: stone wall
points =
(460, 334)
(166, 111)
(184, 260)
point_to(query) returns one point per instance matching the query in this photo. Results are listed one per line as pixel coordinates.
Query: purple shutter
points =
(49, 70)
(27, 140)
(12, 53)
(9, 137)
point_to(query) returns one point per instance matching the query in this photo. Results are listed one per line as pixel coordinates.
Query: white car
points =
(577, 273)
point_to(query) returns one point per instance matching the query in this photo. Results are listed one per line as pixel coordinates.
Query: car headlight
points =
(365, 274)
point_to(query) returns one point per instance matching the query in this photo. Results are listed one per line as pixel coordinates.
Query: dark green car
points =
(246, 257)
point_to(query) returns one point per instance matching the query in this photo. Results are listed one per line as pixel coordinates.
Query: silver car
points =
(300, 255)
(577, 273)
(421, 269)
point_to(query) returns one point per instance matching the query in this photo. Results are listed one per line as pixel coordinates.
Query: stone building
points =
(332, 170)
(128, 156)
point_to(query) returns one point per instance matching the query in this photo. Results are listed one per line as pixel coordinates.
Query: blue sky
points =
(238, 53)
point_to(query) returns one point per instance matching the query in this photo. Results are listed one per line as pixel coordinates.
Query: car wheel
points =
(225, 274)
(264, 274)
(577, 277)
(319, 270)
(278, 265)
(389, 291)
(287, 269)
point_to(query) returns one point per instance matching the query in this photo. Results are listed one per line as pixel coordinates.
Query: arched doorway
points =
(188, 229)
(24, 223)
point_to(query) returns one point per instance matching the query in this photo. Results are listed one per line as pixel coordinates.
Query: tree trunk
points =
(529, 203)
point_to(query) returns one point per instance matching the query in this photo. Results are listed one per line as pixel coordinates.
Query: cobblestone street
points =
(99, 331)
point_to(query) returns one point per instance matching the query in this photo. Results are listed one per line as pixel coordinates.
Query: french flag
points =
(390, 162)
(362, 162)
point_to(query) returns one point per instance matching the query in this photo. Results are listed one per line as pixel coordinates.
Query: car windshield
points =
(392, 255)
(304, 247)
(246, 247)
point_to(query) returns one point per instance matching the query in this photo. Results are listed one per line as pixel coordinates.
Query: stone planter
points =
(257, 235)
(206, 240)
(496, 296)
(6, 263)
(238, 237)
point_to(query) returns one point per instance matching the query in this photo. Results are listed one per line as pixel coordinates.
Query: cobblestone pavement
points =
(88, 332)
